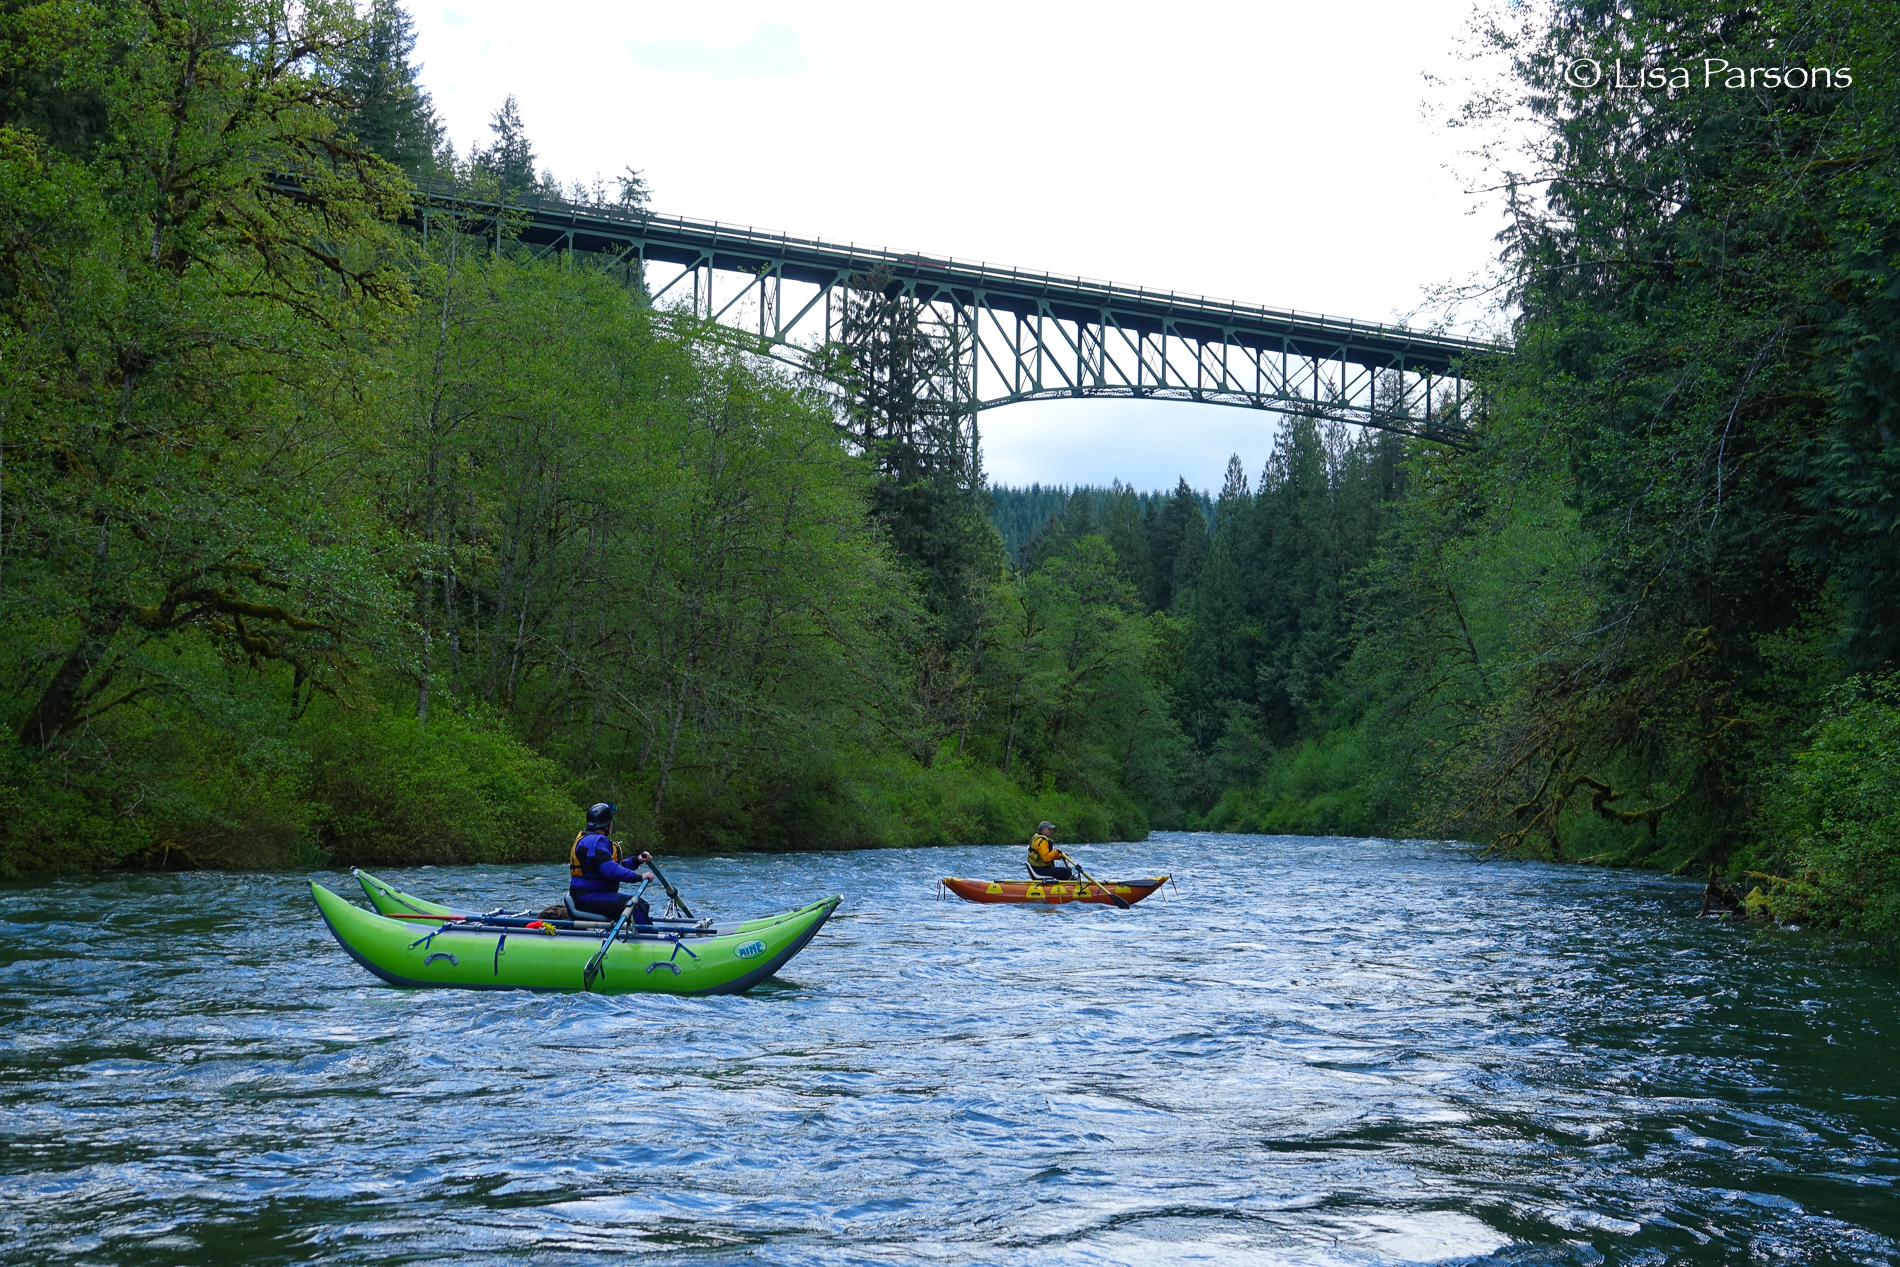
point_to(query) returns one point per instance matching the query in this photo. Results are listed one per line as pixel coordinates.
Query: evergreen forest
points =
(325, 541)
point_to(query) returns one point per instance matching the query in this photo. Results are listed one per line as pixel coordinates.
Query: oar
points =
(517, 921)
(670, 890)
(1122, 902)
(593, 968)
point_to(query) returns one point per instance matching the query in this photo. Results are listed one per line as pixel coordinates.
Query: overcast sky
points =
(1270, 152)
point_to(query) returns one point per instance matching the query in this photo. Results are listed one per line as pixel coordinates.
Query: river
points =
(1315, 1052)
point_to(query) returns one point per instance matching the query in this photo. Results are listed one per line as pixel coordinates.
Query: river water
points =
(1316, 1052)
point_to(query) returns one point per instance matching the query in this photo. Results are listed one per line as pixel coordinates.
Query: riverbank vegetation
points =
(326, 540)
(1643, 618)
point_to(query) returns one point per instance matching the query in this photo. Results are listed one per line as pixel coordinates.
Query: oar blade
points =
(1121, 903)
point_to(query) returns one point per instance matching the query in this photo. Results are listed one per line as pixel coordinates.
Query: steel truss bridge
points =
(1007, 335)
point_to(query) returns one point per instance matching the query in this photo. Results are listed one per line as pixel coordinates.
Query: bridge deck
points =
(1137, 310)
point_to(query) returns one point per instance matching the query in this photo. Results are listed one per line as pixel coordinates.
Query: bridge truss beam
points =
(1012, 335)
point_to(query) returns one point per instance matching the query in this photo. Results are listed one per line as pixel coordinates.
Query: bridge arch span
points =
(1011, 335)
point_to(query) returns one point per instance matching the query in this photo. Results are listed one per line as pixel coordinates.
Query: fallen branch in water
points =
(1721, 897)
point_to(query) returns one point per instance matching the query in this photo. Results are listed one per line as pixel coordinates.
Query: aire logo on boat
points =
(751, 950)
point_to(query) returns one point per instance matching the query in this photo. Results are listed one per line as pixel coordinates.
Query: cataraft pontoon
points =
(1053, 892)
(413, 942)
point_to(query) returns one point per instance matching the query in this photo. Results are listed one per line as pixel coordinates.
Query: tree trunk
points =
(54, 709)
(57, 704)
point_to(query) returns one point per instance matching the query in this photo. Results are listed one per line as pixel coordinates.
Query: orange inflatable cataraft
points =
(1053, 892)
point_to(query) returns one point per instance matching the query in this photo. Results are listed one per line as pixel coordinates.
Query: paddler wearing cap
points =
(1046, 862)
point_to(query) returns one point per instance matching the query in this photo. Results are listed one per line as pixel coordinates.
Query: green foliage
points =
(1023, 517)
(167, 330)
(1593, 637)
(1684, 444)
(1177, 547)
(1257, 587)
(387, 789)
(956, 803)
(217, 772)
(894, 801)
(1328, 786)
(908, 415)
(1019, 514)
(389, 111)
(1069, 689)
(172, 512)
(1829, 850)
(509, 161)
(1269, 607)
(650, 555)
(194, 775)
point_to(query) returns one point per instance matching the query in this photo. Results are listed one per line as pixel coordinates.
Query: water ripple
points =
(1317, 1052)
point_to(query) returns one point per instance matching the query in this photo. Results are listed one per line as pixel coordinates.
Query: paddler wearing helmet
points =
(595, 870)
(1046, 862)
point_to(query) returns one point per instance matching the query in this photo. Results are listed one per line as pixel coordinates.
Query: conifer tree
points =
(1177, 544)
(510, 160)
(908, 415)
(634, 192)
(394, 115)
(1127, 535)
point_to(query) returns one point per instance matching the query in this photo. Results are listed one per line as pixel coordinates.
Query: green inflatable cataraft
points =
(412, 942)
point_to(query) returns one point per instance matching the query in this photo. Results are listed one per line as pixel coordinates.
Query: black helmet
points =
(601, 815)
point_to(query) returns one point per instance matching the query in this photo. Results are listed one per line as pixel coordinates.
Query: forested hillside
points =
(1259, 586)
(323, 542)
(1650, 617)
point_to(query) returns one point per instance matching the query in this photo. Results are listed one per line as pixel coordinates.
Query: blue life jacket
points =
(594, 866)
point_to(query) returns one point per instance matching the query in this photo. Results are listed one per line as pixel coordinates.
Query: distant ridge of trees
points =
(1021, 514)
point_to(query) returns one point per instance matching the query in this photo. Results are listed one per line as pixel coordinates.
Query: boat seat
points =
(577, 913)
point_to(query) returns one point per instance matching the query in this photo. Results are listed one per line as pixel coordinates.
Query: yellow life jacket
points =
(1041, 851)
(575, 867)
